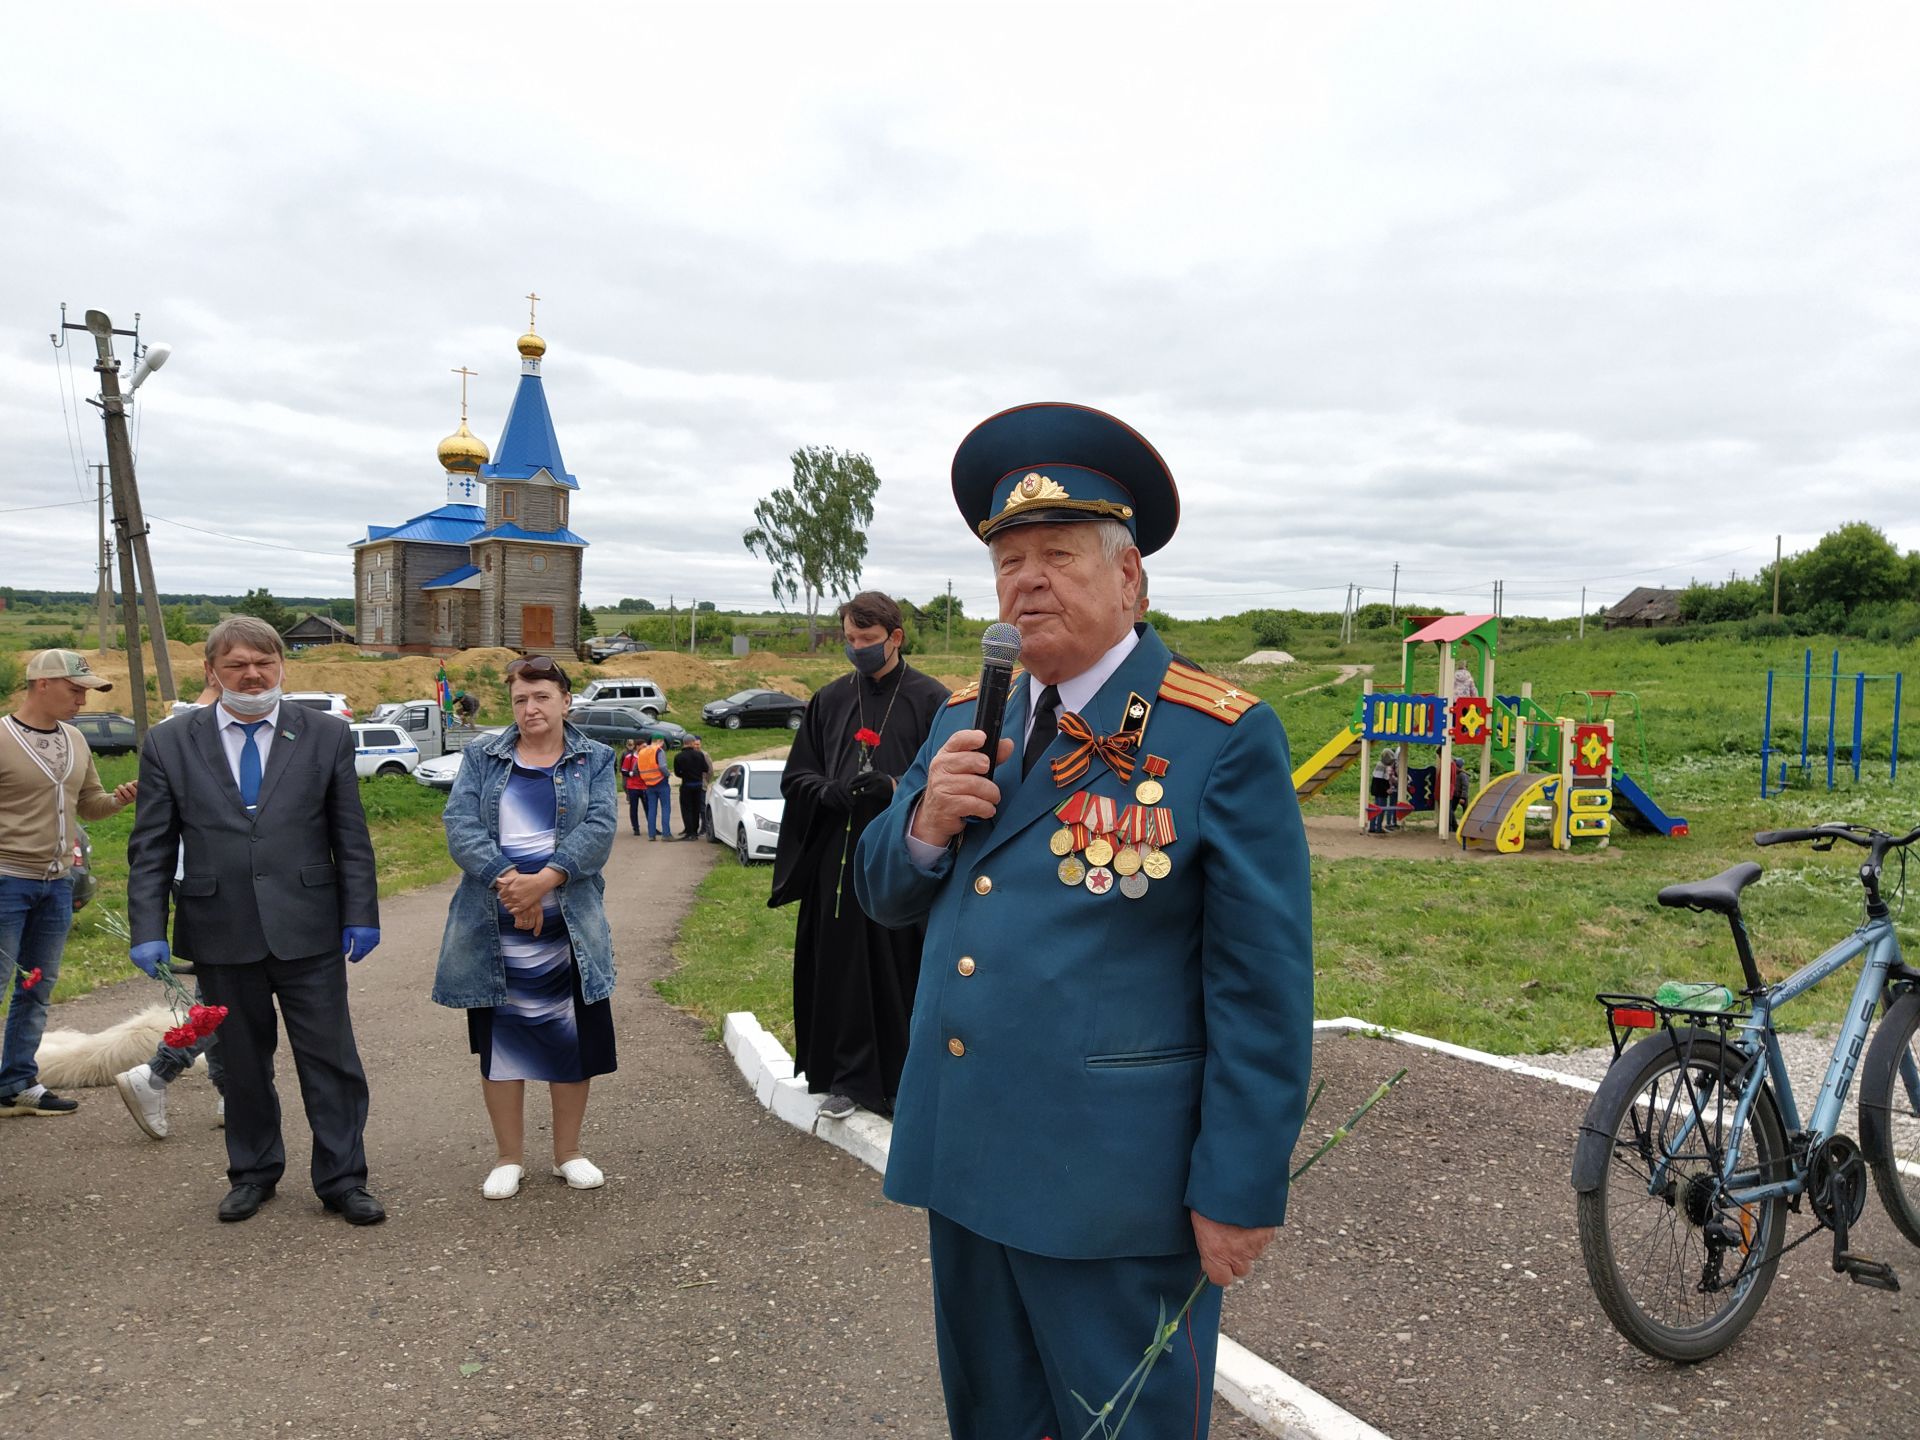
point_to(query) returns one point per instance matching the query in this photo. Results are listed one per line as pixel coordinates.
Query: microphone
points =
(999, 648)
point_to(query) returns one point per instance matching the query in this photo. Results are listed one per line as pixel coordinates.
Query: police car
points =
(383, 750)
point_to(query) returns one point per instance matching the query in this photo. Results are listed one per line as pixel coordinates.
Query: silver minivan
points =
(635, 692)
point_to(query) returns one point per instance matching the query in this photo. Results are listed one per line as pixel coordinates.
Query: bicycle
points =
(1692, 1152)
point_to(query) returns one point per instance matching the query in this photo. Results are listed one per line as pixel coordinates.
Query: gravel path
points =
(733, 1278)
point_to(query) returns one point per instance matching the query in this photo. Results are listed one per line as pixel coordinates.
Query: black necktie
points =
(1046, 724)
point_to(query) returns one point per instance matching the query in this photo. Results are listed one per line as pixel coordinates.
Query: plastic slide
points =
(1333, 757)
(1497, 817)
(1638, 811)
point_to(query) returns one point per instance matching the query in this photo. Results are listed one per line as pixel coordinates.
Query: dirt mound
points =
(667, 669)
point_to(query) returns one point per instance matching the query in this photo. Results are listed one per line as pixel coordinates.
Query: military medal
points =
(1099, 880)
(1061, 842)
(1150, 791)
(1126, 862)
(1133, 886)
(1071, 871)
(1156, 864)
(1099, 851)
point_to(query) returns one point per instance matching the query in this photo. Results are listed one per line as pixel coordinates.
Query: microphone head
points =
(1001, 644)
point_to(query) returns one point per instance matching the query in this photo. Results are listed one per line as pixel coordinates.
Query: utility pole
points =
(1776, 577)
(104, 597)
(1393, 605)
(673, 623)
(950, 616)
(693, 625)
(1583, 612)
(129, 521)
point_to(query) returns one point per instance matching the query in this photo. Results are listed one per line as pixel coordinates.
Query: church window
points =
(489, 564)
(506, 505)
(539, 563)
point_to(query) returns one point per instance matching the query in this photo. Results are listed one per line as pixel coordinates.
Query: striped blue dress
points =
(543, 1031)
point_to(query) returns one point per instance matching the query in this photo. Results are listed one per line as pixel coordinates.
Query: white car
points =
(380, 750)
(744, 808)
(329, 701)
(437, 771)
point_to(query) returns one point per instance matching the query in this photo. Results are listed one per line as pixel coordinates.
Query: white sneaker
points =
(503, 1182)
(220, 1114)
(146, 1099)
(581, 1173)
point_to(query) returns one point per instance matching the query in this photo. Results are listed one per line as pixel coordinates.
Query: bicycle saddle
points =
(1721, 894)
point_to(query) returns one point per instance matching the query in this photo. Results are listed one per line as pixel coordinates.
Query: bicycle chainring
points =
(1837, 1182)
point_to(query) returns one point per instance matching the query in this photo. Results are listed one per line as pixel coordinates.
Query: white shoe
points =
(580, 1173)
(503, 1183)
(220, 1114)
(146, 1099)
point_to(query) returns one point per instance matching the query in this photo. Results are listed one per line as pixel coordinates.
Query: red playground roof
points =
(1448, 627)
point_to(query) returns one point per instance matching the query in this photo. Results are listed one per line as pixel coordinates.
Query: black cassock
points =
(853, 980)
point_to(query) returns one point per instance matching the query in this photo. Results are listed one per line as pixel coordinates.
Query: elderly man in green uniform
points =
(1113, 1030)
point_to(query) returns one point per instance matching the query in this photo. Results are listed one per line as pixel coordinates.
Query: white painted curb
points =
(1461, 1052)
(1263, 1392)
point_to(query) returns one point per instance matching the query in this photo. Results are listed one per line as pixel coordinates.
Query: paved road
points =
(734, 1278)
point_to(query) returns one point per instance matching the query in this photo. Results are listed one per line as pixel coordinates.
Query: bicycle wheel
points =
(1677, 1263)
(1890, 1113)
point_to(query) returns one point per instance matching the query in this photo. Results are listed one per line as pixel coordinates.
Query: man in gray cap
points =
(48, 784)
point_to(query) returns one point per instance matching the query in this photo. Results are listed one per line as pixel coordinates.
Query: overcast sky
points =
(1559, 295)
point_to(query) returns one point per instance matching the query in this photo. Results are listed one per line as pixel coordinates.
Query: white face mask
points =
(249, 703)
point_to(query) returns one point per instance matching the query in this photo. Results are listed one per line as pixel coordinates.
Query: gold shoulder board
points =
(1209, 694)
(970, 691)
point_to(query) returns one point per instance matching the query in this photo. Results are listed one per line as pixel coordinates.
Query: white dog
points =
(70, 1059)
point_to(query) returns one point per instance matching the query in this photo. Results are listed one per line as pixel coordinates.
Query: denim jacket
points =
(471, 973)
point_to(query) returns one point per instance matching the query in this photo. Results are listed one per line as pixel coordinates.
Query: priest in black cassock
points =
(853, 980)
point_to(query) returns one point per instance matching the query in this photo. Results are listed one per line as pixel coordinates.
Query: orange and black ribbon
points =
(1116, 751)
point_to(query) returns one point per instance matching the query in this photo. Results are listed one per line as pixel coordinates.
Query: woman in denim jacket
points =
(527, 952)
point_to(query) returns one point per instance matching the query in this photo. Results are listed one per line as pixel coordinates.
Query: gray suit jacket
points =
(282, 881)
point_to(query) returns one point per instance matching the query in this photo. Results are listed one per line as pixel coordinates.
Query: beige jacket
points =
(39, 823)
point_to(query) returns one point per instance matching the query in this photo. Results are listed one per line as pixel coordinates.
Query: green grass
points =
(735, 953)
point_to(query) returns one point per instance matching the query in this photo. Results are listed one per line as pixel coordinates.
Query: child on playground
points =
(1381, 815)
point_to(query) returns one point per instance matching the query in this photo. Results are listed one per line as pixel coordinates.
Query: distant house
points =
(317, 630)
(1644, 609)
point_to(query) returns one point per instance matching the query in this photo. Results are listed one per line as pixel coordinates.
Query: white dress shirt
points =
(1075, 695)
(232, 737)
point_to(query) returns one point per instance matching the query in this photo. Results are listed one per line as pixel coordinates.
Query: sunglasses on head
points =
(538, 667)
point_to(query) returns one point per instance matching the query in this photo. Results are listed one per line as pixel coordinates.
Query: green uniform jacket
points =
(1084, 1067)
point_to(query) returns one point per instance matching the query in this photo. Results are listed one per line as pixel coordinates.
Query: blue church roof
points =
(528, 444)
(562, 536)
(449, 525)
(452, 578)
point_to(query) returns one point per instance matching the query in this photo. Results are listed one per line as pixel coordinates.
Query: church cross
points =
(465, 374)
(532, 300)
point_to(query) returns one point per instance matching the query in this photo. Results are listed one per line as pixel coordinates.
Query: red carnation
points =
(181, 1037)
(203, 1020)
(869, 738)
(30, 978)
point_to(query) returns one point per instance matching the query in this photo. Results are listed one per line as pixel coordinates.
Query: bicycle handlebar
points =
(1863, 836)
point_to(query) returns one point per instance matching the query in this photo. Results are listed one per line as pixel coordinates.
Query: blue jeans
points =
(35, 916)
(654, 800)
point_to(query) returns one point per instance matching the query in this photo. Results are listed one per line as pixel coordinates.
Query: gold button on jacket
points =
(966, 965)
(956, 1047)
(982, 885)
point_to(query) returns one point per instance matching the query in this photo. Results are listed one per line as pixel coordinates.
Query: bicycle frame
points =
(1875, 939)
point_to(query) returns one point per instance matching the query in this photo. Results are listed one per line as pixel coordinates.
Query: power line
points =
(52, 505)
(67, 422)
(244, 539)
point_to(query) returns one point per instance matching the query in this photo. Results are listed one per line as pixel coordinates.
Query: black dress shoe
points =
(357, 1206)
(243, 1200)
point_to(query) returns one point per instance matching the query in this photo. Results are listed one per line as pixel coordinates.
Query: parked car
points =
(426, 724)
(438, 771)
(635, 690)
(325, 700)
(107, 734)
(744, 808)
(605, 647)
(755, 707)
(381, 750)
(616, 724)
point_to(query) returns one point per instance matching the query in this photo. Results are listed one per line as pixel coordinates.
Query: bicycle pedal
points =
(1875, 1274)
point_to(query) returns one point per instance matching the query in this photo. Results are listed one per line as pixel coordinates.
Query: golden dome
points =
(463, 450)
(531, 346)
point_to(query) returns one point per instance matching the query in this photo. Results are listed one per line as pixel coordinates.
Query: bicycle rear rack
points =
(1627, 1014)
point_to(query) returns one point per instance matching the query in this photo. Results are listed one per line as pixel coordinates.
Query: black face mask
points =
(867, 659)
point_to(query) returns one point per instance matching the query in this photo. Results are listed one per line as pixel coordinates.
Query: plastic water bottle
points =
(1693, 995)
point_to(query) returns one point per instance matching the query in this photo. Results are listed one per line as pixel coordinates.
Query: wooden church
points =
(495, 564)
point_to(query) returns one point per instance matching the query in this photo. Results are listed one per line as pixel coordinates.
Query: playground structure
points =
(1860, 682)
(1542, 758)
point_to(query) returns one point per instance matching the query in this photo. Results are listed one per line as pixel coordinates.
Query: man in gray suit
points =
(276, 891)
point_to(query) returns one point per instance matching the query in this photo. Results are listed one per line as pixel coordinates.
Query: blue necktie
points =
(250, 764)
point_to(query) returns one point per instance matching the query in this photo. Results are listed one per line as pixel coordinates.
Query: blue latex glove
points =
(357, 941)
(149, 955)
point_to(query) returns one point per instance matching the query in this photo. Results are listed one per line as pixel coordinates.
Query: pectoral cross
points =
(465, 374)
